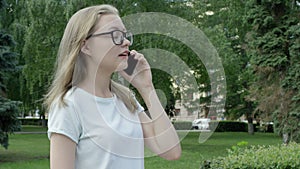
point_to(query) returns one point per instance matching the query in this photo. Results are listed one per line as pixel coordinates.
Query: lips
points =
(125, 53)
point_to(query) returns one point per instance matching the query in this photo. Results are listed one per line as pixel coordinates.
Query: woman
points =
(94, 122)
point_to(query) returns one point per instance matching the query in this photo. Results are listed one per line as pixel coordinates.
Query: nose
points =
(126, 42)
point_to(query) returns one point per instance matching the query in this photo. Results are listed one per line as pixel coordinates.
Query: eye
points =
(118, 35)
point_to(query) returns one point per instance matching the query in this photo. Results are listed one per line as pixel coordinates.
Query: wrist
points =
(146, 90)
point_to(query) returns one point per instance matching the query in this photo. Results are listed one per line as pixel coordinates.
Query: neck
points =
(98, 86)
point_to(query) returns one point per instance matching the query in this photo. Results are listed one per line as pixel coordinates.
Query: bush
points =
(267, 157)
(182, 125)
(267, 128)
(32, 121)
(229, 126)
(8, 119)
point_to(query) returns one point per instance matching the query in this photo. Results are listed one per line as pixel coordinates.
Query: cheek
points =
(107, 57)
(98, 52)
(99, 49)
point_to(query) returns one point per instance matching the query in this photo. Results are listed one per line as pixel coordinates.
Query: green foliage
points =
(7, 59)
(273, 44)
(288, 123)
(229, 126)
(182, 125)
(227, 32)
(239, 145)
(8, 109)
(39, 26)
(281, 157)
(8, 119)
(31, 151)
(41, 43)
(267, 53)
(31, 121)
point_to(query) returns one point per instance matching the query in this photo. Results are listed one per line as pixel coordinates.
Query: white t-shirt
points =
(107, 135)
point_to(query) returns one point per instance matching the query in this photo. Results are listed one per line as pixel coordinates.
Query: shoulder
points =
(63, 108)
(63, 119)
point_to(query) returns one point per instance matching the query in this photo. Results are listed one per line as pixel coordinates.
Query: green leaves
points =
(259, 157)
(42, 39)
(274, 49)
(8, 119)
(257, 41)
(8, 109)
(8, 60)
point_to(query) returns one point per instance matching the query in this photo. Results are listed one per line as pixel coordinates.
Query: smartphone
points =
(131, 65)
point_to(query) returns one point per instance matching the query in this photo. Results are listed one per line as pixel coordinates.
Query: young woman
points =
(93, 121)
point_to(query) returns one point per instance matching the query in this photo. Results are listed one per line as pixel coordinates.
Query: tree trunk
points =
(286, 138)
(250, 128)
(44, 122)
(250, 125)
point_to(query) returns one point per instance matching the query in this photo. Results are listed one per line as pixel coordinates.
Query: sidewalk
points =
(30, 132)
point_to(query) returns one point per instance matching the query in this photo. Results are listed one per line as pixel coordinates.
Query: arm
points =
(62, 152)
(159, 133)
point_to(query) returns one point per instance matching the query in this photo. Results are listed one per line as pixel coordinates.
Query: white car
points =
(201, 124)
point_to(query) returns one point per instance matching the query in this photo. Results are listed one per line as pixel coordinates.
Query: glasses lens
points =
(118, 37)
(129, 37)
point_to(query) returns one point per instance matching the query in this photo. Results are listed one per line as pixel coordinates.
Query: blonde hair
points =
(70, 67)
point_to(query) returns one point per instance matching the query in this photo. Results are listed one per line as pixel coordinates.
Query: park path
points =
(31, 132)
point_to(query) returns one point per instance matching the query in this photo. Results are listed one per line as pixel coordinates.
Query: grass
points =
(195, 153)
(31, 151)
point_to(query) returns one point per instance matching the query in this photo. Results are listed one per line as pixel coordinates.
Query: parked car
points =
(201, 124)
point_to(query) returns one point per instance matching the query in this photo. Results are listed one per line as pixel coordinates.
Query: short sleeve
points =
(64, 120)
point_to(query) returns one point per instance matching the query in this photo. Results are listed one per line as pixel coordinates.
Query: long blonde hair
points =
(70, 67)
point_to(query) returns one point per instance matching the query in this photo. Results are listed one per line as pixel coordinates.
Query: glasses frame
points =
(127, 35)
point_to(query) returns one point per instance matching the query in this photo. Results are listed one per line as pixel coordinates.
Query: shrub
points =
(229, 126)
(267, 157)
(267, 128)
(8, 120)
(31, 121)
(182, 125)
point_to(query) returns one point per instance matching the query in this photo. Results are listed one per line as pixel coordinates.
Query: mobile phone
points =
(131, 64)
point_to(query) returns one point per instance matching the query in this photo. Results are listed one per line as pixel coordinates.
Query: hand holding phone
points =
(131, 65)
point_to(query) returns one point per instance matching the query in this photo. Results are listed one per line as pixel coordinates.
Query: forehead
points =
(110, 21)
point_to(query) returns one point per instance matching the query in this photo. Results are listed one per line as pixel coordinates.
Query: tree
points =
(8, 108)
(41, 43)
(38, 27)
(222, 21)
(273, 44)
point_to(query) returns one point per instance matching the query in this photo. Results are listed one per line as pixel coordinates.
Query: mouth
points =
(125, 53)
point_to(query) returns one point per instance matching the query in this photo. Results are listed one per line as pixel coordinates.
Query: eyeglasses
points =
(117, 36)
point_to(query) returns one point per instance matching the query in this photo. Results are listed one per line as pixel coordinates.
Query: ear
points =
(85, 47)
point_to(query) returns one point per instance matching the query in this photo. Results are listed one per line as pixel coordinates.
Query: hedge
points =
(31, 121)
(267, 157)
(182, 125)
(229, 126)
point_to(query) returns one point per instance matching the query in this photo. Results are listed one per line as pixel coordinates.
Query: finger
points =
(133, 52)
(143, 61)
(138, 56)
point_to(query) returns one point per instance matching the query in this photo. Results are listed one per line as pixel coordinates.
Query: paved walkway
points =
(196, 131)
(30, 132)
(45, 132)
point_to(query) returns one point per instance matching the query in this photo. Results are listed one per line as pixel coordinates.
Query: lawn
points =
(31, 151)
